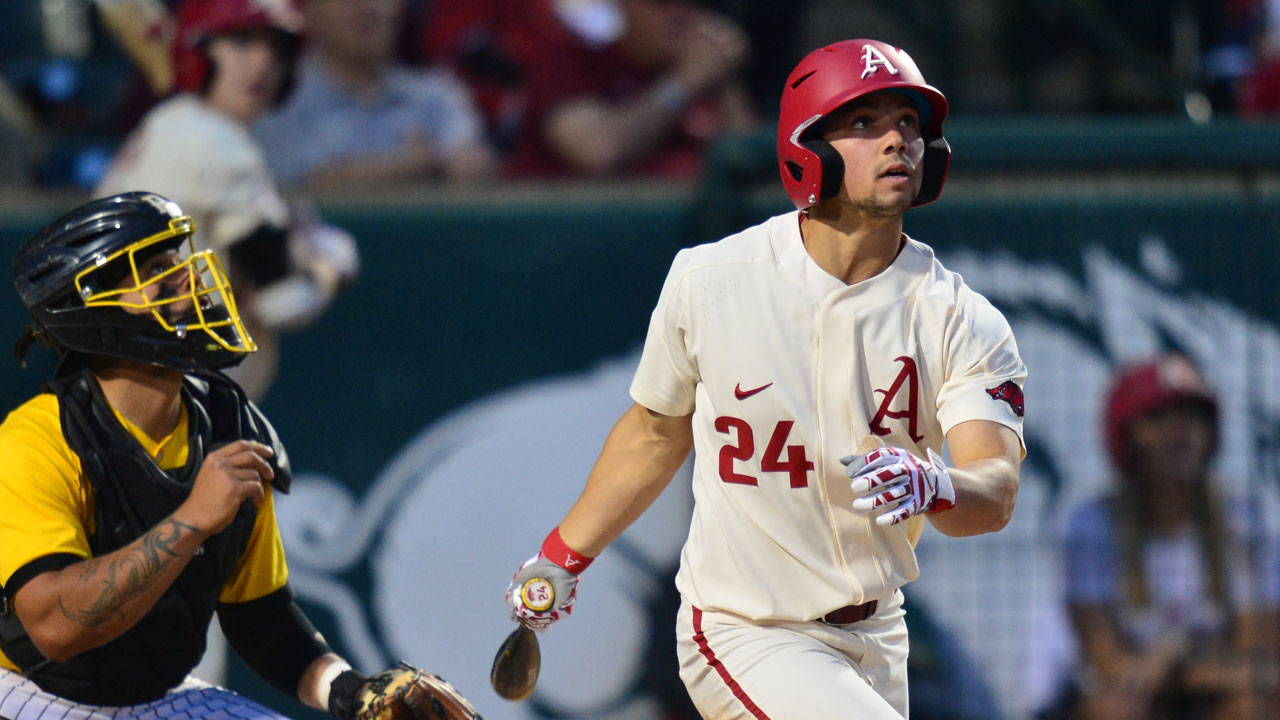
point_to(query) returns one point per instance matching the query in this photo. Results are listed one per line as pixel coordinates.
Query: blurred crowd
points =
(389, 91)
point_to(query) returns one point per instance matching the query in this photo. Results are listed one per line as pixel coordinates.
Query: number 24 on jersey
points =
(742, 447)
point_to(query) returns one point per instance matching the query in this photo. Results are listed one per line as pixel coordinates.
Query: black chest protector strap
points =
(131, 496)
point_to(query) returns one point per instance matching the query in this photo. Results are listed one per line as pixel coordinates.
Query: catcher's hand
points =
(891, 484)
(401, 693)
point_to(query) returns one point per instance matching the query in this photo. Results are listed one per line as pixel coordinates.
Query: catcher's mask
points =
(826, 79)
(93, 286)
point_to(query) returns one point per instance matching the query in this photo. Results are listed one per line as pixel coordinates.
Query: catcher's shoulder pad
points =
(406, 692)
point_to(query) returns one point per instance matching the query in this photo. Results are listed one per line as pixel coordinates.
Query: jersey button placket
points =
(830, 350)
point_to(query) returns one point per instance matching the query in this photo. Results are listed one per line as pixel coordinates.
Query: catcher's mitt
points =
(409, 693)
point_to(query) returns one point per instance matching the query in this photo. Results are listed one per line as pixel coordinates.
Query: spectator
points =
(486, 42)
(369, 119)
(601, 87)
(1259, 92)
(233, 60)
(1174, 594)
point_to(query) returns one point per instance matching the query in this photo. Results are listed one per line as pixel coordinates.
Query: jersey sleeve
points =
(209, 166)
(44, 504)
(667, 376)
(262, 569)
(985, 374)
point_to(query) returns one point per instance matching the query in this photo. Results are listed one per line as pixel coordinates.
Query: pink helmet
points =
(1167, 381)
(198, 20)
(831, 76)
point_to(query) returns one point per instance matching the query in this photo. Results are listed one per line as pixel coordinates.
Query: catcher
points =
(138, 493)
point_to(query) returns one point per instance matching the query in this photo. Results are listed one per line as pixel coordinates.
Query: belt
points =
(850, 614)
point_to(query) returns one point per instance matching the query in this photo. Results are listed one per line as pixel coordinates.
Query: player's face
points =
(174, 285)
(250, 66)
(878, 136)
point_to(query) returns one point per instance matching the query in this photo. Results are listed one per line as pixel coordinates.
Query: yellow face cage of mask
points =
(206, 287)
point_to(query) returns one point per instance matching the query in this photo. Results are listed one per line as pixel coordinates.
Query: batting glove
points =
(544, 588)
(891, 484)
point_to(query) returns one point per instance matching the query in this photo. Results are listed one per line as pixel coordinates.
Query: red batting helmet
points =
(1171, 380)
(198, 20)
(831, 76)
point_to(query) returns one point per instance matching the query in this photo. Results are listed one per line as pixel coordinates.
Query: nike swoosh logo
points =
(741, 394)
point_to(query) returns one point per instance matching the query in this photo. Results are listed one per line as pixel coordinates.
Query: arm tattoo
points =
(122, 577)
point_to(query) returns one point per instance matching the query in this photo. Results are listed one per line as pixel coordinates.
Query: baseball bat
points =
(515, 668)
(145, 30)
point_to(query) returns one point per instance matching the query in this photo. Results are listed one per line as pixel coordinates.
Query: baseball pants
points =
(738, 670)
(21, 699)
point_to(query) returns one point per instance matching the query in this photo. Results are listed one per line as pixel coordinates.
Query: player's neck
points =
(852, 252)
(148, 396)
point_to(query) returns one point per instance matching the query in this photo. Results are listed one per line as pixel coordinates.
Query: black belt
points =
(850, 614)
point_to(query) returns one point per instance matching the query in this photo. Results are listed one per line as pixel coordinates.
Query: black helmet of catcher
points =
(79, 279)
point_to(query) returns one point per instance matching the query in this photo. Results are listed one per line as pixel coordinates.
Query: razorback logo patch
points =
(1009, 392)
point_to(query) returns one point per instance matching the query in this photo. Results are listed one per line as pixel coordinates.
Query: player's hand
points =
(544, 588)
(891, 484)
(229, 475)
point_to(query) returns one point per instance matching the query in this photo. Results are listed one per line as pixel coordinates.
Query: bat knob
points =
(537, 594)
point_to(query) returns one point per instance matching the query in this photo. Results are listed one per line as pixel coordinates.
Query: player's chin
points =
(888, 204)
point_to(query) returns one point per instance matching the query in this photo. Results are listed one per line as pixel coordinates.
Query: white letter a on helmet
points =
(873, 59)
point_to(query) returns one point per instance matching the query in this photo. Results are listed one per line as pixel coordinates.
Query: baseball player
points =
(233, 60)
(773, 354)
(137, 497)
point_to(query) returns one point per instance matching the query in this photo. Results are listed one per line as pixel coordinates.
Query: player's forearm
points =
(642, 454)
(985, 456)
(94, 601)
(409, 164)
(986, 491)
(597, 138)
(313, 688)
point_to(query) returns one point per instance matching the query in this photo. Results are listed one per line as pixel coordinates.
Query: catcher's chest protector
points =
(132, 495)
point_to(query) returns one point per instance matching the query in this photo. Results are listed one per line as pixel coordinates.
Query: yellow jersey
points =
(46, 502)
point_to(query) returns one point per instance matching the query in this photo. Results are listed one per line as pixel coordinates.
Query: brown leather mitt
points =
(409, 693)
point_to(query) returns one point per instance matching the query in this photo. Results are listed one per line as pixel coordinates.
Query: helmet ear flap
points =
(937, 156)
(191, 68)
(830, 165)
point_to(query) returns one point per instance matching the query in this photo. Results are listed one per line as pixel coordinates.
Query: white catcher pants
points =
(738, 670)
(21, 699)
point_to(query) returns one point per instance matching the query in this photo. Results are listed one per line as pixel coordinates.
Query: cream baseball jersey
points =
(785, 369)
(207, 163)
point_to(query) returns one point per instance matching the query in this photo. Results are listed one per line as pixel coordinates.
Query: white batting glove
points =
(543, 590)
(891, 484)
